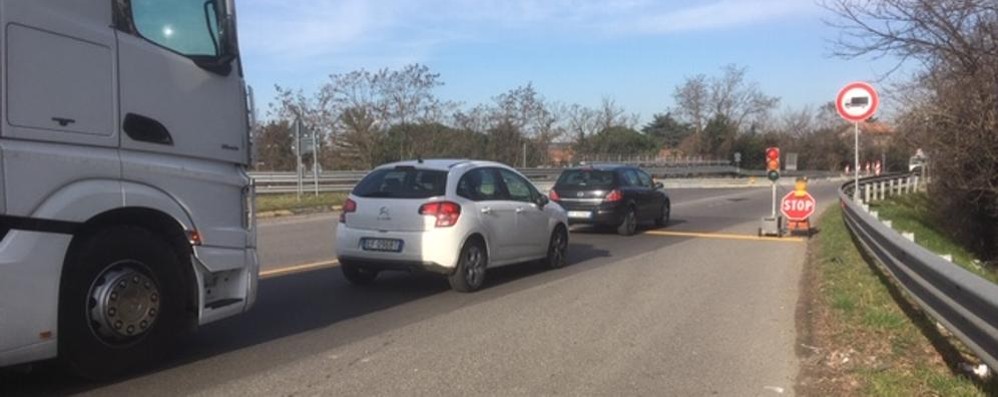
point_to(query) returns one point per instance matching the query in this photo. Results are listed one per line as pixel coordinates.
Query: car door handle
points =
(487, 211)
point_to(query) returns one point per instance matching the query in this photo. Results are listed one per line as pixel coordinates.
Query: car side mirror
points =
(542, 201)
(659, 185)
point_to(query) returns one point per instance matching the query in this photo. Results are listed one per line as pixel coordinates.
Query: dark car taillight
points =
(349, 206)
(613, 196)
(446, 212)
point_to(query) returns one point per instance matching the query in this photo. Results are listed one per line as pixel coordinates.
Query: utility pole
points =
(524, 154)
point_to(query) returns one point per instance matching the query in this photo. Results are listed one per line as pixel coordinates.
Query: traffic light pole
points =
(774, 200)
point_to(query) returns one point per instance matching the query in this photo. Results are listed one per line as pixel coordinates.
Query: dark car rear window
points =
(585, 179)
(402, 183)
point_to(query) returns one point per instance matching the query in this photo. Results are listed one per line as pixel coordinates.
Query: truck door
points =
(59, 98)
(168, 106)
(183, 112)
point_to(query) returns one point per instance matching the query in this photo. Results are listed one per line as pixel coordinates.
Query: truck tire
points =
(121, 303)
(470, 273)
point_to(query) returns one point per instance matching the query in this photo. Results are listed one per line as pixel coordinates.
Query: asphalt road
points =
(698, 308)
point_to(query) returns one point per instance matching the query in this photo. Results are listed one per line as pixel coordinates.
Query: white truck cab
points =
(126, 213)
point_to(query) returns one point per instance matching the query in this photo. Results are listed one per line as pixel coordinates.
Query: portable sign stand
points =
(797, 207)
(857, 102)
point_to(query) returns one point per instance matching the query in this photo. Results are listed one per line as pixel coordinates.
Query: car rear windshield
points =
(585, 179)
(402, 183)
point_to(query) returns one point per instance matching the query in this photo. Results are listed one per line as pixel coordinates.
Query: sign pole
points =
(315, 162)
(298, 166)
(855, 187)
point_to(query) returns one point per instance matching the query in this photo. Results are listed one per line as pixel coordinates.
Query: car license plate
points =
(381, 245)
(580, 214)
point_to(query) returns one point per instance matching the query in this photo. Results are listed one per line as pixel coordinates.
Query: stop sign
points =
(798, 208)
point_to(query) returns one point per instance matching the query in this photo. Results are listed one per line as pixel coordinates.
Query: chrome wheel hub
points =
(124, 303)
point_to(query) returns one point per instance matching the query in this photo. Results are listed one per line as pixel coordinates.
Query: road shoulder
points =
(858, 335)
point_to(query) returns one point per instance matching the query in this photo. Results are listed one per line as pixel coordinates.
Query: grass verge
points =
(860, 336)
(290, 202)
(912, 213)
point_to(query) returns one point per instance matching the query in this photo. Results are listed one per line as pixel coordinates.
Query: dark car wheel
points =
(557, 249)
(663, 220)
(630, 223)
(470, 273)
(357, 275)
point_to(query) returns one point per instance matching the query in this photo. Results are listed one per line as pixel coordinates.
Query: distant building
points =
(560, 153)
(876, 129)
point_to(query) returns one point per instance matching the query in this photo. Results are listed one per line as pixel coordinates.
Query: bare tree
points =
(701, 98)
(738, 100)
(952, 108)
(692, 101)
(581, 122)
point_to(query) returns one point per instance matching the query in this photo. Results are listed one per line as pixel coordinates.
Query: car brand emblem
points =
(582, 194)
(384, 214)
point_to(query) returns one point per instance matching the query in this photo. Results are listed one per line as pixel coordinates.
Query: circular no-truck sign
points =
(857, 102)
(798, 208)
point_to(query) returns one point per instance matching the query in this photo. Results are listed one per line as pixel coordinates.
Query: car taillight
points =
(554, 196)
(446, 212)
(614, 196)
(349, 206)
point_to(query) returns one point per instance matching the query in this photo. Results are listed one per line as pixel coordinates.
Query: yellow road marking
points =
(298, 269)
(724, 236)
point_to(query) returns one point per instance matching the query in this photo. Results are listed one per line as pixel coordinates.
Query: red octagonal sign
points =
(798, 208)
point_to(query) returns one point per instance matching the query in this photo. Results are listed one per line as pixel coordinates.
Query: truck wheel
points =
(121, 303)
(470, 273)
(357, 275)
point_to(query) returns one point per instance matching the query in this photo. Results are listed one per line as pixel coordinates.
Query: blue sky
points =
(573, 51)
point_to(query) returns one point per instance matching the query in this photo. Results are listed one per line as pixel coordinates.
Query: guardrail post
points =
(867, 192)
(916, 183)
(881, 189)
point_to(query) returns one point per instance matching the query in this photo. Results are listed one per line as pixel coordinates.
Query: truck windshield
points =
(402, 183)
(189, 27)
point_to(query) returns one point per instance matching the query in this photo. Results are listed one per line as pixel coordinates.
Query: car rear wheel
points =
(630, 223)
(557, 249)
(358, 275)
(470, 273)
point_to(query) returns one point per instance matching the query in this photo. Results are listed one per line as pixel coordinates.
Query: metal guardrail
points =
(963, 302)
(344, 181)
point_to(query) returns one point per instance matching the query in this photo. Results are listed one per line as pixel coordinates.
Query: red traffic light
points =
(773, 153)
